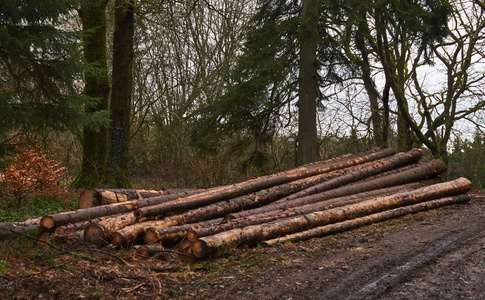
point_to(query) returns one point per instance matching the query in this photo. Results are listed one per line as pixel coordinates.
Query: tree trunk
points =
(96, 197)
(268, 216)
(96, 85)
(50, 222)
(121, 93)
(335, 187)
(231, 191)
(367, 220)
(9, 228)
(301, 223)
(307, 94)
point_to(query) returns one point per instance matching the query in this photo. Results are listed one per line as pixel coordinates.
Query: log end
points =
(200, 249)
(192, 236)
(138, 213)
(89, 198)
(118, 241)
(151, 236)
(97, 235)
(47, 224)
(197, 249)
(144, 251)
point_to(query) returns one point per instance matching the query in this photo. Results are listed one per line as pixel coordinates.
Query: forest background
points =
(203, 93)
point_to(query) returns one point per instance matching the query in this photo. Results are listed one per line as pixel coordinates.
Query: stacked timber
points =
(320, 198)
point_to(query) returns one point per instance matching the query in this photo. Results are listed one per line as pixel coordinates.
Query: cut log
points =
(9, 228)
(100, 233)
(134, 234)
(97, 197)
(266, 217)
(231, 191)
(301, 223)
(73, 227)
(148, 250)
(50, 222)
(337, 187)
(173, 235)
(367, 220)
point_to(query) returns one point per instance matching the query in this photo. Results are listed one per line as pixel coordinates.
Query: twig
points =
(134, 288)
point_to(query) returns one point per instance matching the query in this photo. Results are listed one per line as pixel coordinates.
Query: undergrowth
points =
(34, 207)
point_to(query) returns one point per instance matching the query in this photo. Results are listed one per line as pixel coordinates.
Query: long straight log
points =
(340, 186)
(97, 197)
(367, 220)
(254, 185)
(50, 222)
(301, 223)
(266, 217)
(9, 228)
(378, 167)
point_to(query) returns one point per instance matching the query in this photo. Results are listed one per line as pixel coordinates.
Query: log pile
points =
(321, 198)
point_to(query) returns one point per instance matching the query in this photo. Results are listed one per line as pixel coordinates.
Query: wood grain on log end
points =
(97, 235)
(117, 240)
(89, 198)
(151, 236)
(192, 236)
(47, 224)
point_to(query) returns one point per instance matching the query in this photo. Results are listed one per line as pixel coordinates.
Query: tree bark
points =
(118, 174)
(301, 223)
(96, 85)
(335, 187)
(50, 222)
(367, 220)
(9, 228)
(307, 94)
(268, 216)
(231, 191)
(96, 197)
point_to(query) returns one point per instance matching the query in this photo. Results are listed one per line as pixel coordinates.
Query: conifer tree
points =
(40, 67)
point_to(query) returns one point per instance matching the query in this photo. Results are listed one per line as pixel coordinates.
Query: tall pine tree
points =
(40, 67)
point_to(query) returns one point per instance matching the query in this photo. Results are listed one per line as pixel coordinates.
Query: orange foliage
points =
(32, 172)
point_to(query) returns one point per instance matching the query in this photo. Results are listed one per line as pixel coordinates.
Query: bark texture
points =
(367, 220)
(300, 223)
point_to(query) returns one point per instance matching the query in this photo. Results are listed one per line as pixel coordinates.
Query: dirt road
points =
(433, 255)
(438, 254)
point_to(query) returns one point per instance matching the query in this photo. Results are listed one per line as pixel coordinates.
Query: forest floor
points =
(439, 254)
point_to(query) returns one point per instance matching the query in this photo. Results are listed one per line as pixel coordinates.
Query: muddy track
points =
(382, 285)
